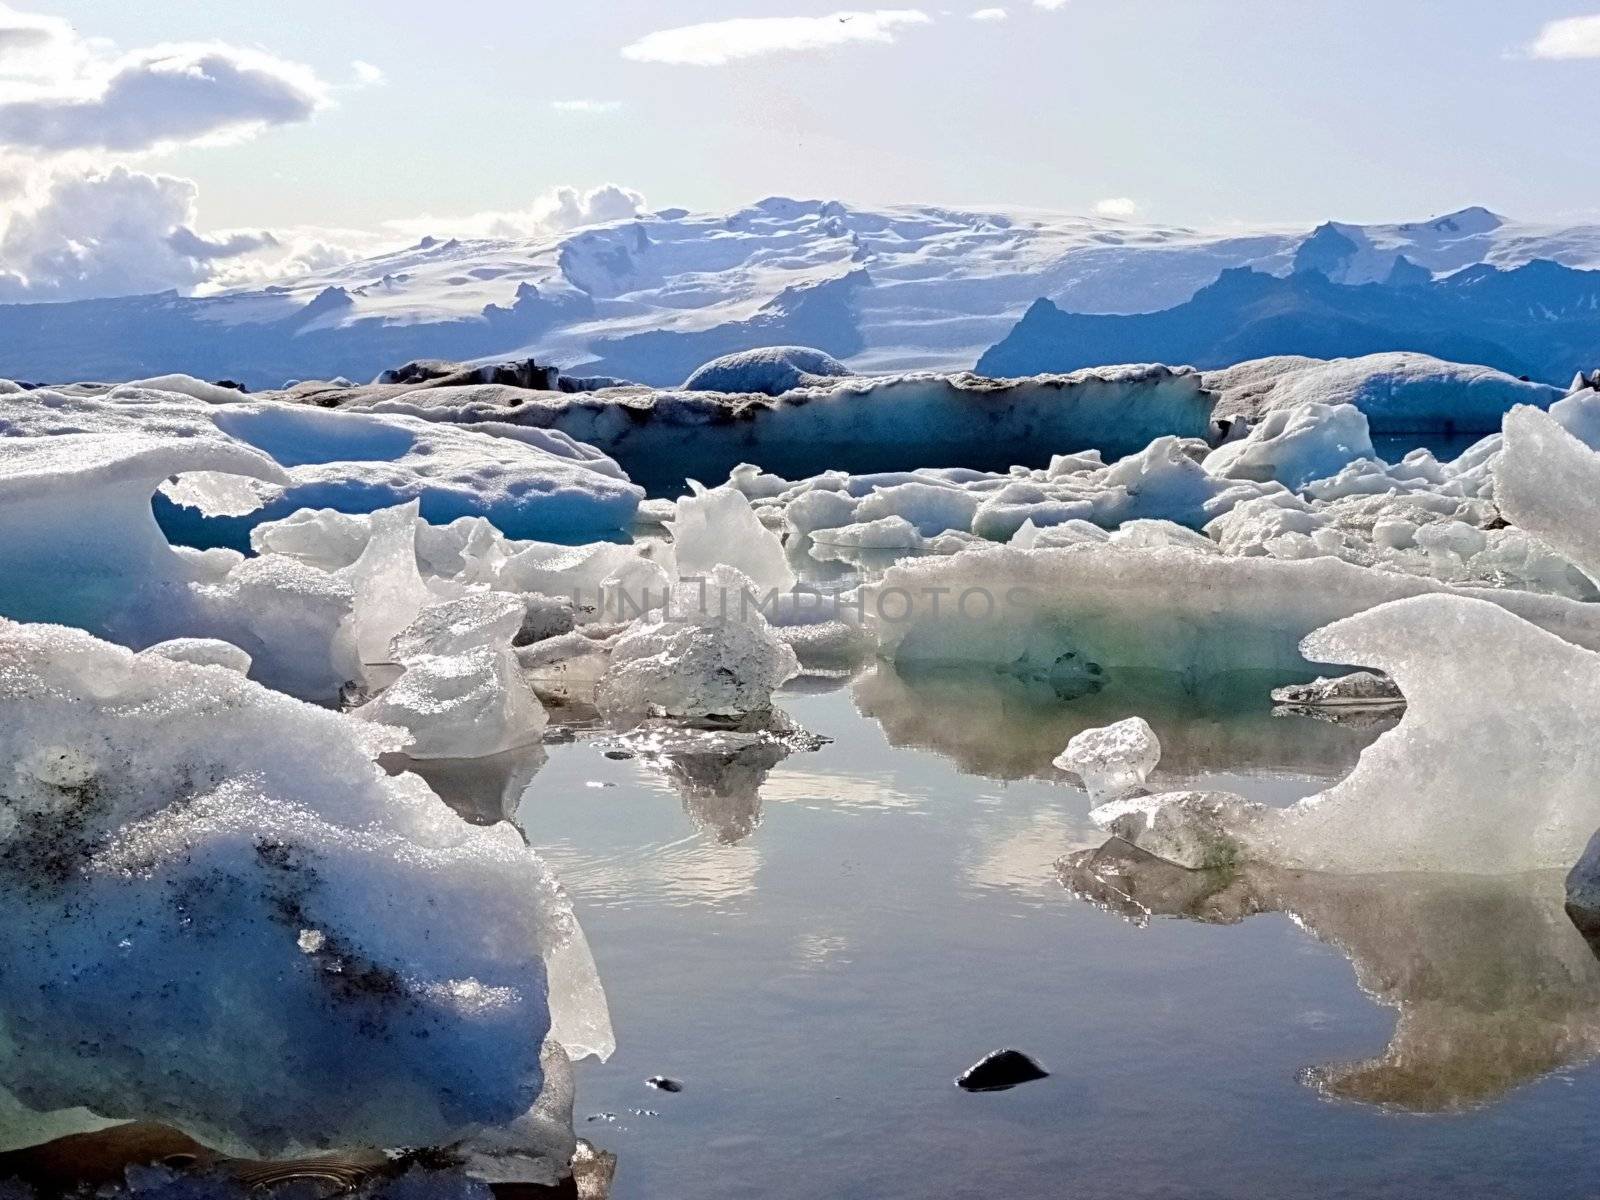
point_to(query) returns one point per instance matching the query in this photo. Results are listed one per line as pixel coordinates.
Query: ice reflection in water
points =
(1494, 986)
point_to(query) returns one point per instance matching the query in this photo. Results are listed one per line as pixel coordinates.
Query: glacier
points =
(883, 289)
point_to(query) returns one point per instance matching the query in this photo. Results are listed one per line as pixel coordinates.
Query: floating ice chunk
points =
(1114, 760)
(1296, 445)
(886, 533)
(716, 527)
(462, 694)
(1547, 482)
(1359, 689)
(1488, 772)
(1164, 481)
(757, 484)
(820, 508)
(709, 653)
(389, 588)
(203, 652)
(931, 508)
(465, 705)
(171, 822)
(470, 622)
(80, 545)
(770, 370)
(1398, 391)
(1198, 831)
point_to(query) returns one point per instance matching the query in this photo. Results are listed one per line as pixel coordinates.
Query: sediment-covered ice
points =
(353, 964)
(858, 423)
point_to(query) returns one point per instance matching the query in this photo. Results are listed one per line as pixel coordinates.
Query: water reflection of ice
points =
(1494, 986)
(992, 724)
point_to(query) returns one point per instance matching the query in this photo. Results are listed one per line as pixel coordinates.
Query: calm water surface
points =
(817, 947)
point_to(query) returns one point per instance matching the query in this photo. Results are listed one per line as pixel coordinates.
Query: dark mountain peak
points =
(1326, 252)
(1407, 274)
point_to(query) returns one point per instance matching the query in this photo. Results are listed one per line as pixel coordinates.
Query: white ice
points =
(175, 833)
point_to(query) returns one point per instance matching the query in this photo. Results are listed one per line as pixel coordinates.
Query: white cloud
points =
(586, 106)
(368, 75)
(99, 235)
(1117, 206)
(1050, 5)
(60, 92)
(557, 211)
(990, 14)
(717, 43)
(1571, 37)
(120, 232)
(24, 37)
(163, 95)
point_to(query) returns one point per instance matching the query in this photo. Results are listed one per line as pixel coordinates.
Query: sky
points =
(198, 144)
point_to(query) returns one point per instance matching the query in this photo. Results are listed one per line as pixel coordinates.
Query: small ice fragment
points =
(1114, 760)
(312, 940)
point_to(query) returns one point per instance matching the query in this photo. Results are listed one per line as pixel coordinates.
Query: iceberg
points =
(1398, 392)
(1052, 613)
(1488, 771)
(770, 370)
(79, 545)
(354, 964)
(529, 482)
(854, 423)
(708, 653)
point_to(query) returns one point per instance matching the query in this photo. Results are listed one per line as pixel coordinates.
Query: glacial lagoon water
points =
(816, 947)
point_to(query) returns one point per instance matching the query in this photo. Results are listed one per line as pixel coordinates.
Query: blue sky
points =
(1197, 111)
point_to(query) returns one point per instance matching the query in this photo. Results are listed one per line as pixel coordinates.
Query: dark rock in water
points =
(619, 755)
(1583, 892)
(662, 1084)
(1000, 1070)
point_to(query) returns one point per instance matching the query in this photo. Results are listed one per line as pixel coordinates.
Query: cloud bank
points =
(556, 211)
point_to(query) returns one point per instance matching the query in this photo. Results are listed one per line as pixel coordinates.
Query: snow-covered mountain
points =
(651, 298)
